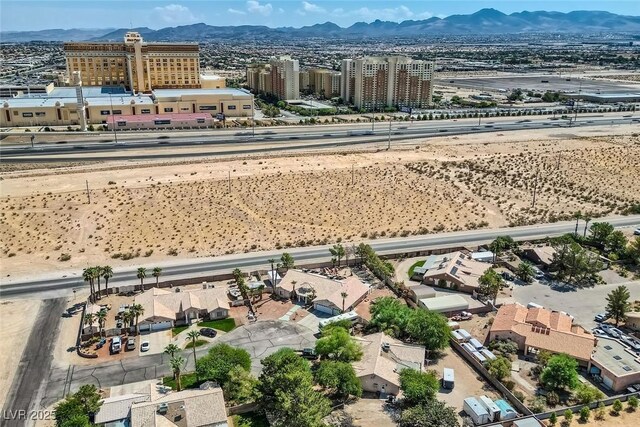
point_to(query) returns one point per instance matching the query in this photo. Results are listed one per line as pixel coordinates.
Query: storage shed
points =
(445, 304)
(491, 407)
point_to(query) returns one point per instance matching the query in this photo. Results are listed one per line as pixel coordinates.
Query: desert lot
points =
(157, 209)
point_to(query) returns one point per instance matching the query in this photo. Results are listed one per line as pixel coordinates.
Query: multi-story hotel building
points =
(281, 77)
(323, 82)
(137, 65)
(378, 82)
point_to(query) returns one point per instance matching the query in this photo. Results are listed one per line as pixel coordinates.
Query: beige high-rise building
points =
(323, 82)
(373, 83)
(135, 64)
(280, 77)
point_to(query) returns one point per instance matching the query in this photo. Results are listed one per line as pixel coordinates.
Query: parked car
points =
(597, 331)
(636, 231)
(144, 346)
(116, 345)
(131, 343)
(614, 332)
(606, 327)
(208, 332)
(507, 276)
(309, 353)
(601, 317)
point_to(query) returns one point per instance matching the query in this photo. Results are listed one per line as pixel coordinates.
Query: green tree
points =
(501, 244)
(600, 412)
(432, 413)
(338, 252)
(171, 350)
(586, 394)
(568, 417)
(633, 251)
(101, 316)
(88, 276)
(616, 408)
(241, 386)
(560, 373)
(577, 216)
(218, 362)
(574, 264)
(137, 310)
(616, 242)
(584, 414)
(429, 328)
(76, 408)
(89, 318)
(618, 303)
(141, 274)
(490, 284)
(288, 394)
(107, 273)
(390, 316)
(499, 368)
(525, 272)
(632, 403)
(553, 419)
(177, 363)
(339, 378)
(286, 261)
(337, 344)
(418, 387)
(69, 410)
(79, 420)
(599, 233)
(157, 271)
(193, 336)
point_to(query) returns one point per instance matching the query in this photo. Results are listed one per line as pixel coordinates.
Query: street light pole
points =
(113, 119)
(253, 117)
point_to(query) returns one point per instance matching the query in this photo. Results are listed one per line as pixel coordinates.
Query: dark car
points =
(309, 353)
(208, 332)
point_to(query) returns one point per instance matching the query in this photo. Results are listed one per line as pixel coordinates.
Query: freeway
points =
(199, 267)
(316, 137)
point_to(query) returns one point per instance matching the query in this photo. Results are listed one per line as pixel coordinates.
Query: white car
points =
(616, 333)
(636, 231)
(598, 332)
(144, 346)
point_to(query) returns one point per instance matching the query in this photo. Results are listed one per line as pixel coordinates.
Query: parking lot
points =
(583, 304)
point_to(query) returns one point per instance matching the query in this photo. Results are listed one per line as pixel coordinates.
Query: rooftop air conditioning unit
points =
(162, 408)
(385, 346)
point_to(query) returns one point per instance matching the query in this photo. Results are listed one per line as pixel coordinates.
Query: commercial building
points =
(536, 328)
(60, 106)
(453, 270)
(614, 365)
(633, 320)
(280, 77)
(139, 66)
(382, 360)
(327, 295)
(374, 83)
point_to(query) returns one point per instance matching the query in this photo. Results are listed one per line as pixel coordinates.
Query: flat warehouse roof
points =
(139, 118)
(612, 355)
(445, 304)
(179, 92)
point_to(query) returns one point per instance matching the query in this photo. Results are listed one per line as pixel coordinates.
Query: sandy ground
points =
(625, 419)
(155, 209)
(16, 321)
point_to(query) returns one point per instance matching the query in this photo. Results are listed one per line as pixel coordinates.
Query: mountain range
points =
(483, 22)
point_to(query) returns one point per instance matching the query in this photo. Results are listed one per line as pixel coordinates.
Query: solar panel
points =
(454, 270)
(617, 357)
(608, 347)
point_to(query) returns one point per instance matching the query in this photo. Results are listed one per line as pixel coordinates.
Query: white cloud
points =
(312, 8)
(254, 6)
(236, 11)
(399, 13)
(175, 14)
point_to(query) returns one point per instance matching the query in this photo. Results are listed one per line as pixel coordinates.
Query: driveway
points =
(158, 340)
(583, 304)
(263, 338)
(312, 320)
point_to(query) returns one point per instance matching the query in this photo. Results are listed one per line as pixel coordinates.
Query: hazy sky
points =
(37, 15)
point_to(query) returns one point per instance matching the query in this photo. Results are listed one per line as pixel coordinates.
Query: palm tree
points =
(587, 219)
(156, 273)
(273, 276)
(107, 273)
(577, 216)
(88, 320)
(193, 336)
(142, 273)
(102, 317)
(137, 310)
(344, 296)
(293, 290)
(177, 363)
(171, 350)
(127, 318)
(97, 274)
(87, 275)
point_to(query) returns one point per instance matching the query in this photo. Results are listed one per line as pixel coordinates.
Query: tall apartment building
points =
(280, 77)
(137, 65)
(378, 82)
(323, 82)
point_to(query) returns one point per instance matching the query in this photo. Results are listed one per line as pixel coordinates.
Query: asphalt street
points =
(29, 385)
(200, 267)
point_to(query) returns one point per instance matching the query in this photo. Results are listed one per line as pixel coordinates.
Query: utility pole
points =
(389, 141)
(32, 138)
(113, 120)
(88, 193)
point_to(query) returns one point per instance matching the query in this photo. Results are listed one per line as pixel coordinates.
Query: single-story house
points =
(446, 304)
(164, 309)
(536, 328)
(116, 411)
(327, 295)
(383, 359)
(539, 255)
(453, 270)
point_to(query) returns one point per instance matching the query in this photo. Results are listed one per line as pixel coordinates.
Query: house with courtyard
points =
(164, 309)
(383, 359)
(327, 295)
(536, 328)
(453, 270)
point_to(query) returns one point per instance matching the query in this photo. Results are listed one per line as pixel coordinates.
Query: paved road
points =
(330, 137)
(185, 268)
(29, 385)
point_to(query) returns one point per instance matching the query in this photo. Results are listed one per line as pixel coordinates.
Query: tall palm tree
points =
(87, 275)
(171, 350)
(142, 273)
(102, 317)
(88, 320)
(137, 310)
(127, 318)
(97, 274)
(587, 219)
(107, 273)
(344, 296)
(177, 363)
(193, 336)
(577, 216)
(157, 271)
